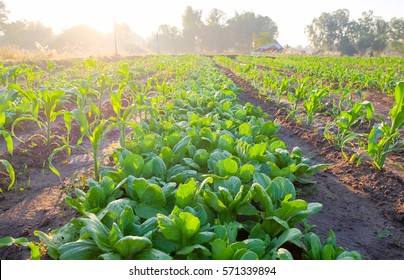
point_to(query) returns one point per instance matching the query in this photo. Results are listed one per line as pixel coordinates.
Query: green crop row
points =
(198, 175)
(305, 94)
(351, 73)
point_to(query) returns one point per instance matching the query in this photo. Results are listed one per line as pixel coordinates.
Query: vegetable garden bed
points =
(192, 173)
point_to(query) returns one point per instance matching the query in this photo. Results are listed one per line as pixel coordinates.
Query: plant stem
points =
(96, 172)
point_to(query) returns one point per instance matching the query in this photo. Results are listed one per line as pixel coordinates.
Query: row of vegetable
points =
(197, 175)
(344, 113)
(379, 74)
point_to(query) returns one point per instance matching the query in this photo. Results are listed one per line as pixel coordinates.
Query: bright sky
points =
(144, 17)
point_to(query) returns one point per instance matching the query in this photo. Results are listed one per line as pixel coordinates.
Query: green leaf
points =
(185, 193)
(180, 147)
(110, 257)
(154, 196)
(115, 234)
(188, 224)
(217, 156)
(201, 157)
(240, 253)
(114, 210)
(10, 171)
(241, 114)
(95, 197)
(226, 142)
(328, 252)
(97, 230)
(82, 121)
(265, 201)
(289, 235)
(226, 167)
(213, 201)
(220, 251)
(274, 225)
(132, 165)
(262, 179)
(246, 172)
(149, 225)
(203, 237)
(277, 145)
(144, 210)
(196, 247)
(148, 169)
(167, 155)
(280, 187)
(169, 228)
(290, 208)
(249, 255)
(8, 241)
(274, 171)
(8, 139)
(152, 254)
(128, 246)
(159, 167)
(256, 245)
(127, 222)
(270, 129)
(172, 139)
(257, 152)
(247, 210)
(136, 187)
(312, 208)
(245, 129)
(397, 112)
(315, 246)
(80, 250)
(283, 254)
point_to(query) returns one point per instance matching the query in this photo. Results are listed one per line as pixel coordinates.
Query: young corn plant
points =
(384, 138)
(122, 115)
(342, 131)
(299, 94)
(283, 87)
(4, 103)
(94, 132)
(6, 164)
(47, 100)
(314, 103)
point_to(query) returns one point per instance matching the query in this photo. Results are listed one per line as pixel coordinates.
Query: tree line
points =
(369, 34)
(215, 34)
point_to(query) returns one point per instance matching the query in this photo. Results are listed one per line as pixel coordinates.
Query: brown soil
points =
(363, 206)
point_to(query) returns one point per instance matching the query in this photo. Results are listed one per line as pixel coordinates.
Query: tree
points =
(192, 25)
(261, 39)
(397, 34)
(330, 29)
(214, 37)
(242, 28)
(372, 33)
(168, 38)
(3, 15)
(79, 36)
(127, 40)
(26, 34)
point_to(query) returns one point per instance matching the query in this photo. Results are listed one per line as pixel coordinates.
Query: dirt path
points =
(362, 206)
